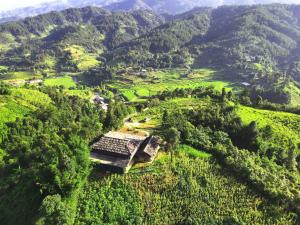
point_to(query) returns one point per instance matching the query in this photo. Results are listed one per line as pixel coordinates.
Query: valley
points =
(218, 87)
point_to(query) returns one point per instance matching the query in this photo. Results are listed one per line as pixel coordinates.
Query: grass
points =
(285, 125)
(65, 81)
(192, 152)
(295, 94)
(135, 88)
(10, 109)
(156, 112)
(85, 94)
(20, 75)
(19, 103)
(33, 97)
(83, 60)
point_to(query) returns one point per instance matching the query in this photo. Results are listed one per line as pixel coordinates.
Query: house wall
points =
(113, 169)
(112, 154)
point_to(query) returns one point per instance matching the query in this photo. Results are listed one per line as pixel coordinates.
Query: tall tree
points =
(172, 136)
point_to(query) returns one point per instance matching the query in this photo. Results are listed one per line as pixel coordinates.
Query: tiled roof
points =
(119, 143)
(151, 146)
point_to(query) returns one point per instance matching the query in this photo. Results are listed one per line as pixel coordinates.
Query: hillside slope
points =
(29, 43)
(255, 44)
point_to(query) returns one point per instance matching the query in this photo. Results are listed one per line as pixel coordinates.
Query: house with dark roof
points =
(117, 152)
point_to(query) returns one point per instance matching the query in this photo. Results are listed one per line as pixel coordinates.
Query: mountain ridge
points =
(166, 6)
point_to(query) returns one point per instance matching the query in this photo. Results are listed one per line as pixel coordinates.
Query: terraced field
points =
(20, 75)
(135, 88)
(65, 81)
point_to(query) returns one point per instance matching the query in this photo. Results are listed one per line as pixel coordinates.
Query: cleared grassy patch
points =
(190, 151)
(81, 58)
(19, 103)
(156, 112)
(32, 96)
(85, 94)
(285, 125)
(65, 81)
(20, 75)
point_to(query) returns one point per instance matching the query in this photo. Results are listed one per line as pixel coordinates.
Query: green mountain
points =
(220, 88)
(254, 44)
(238, 37)
(31, 43)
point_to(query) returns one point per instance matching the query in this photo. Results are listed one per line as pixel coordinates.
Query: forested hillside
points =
(218, 88)
(254, 44)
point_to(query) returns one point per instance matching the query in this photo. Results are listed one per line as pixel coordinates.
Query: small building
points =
(101, 101)
(34, 81)
(16, 83)
(117, 152)
(245, 84)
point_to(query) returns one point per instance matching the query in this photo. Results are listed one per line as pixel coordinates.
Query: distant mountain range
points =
(159, 6)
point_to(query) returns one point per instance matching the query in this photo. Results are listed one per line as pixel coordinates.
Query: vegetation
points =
(65, 81)
(46, 158)
(164, 194)
(220, 87)
(258, 46)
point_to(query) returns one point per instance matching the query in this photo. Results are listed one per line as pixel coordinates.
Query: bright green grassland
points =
(156, 112)
(81, 58)
(285, 125)
(65, 81)
(294, 91)
(191, 190)
(85, 94)
(19, 103)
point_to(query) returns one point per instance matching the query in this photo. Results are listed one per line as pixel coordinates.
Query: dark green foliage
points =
(4, 89)
(110, 201)
(115, 115)
(218, 130)
(47, 153)
(54, 211)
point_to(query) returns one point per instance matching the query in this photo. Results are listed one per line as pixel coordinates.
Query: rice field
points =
(65, 81)
(135, 88)
(20, 75)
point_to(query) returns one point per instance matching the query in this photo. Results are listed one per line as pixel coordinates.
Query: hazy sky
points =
(12, 4)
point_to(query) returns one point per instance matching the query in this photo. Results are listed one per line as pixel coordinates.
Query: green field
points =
(65, 81)
(19, 103)
(85, 94)
(192, 152)
(81, 58)
(135, 88)
(20, 75)
(156, 112)
(285, 125)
